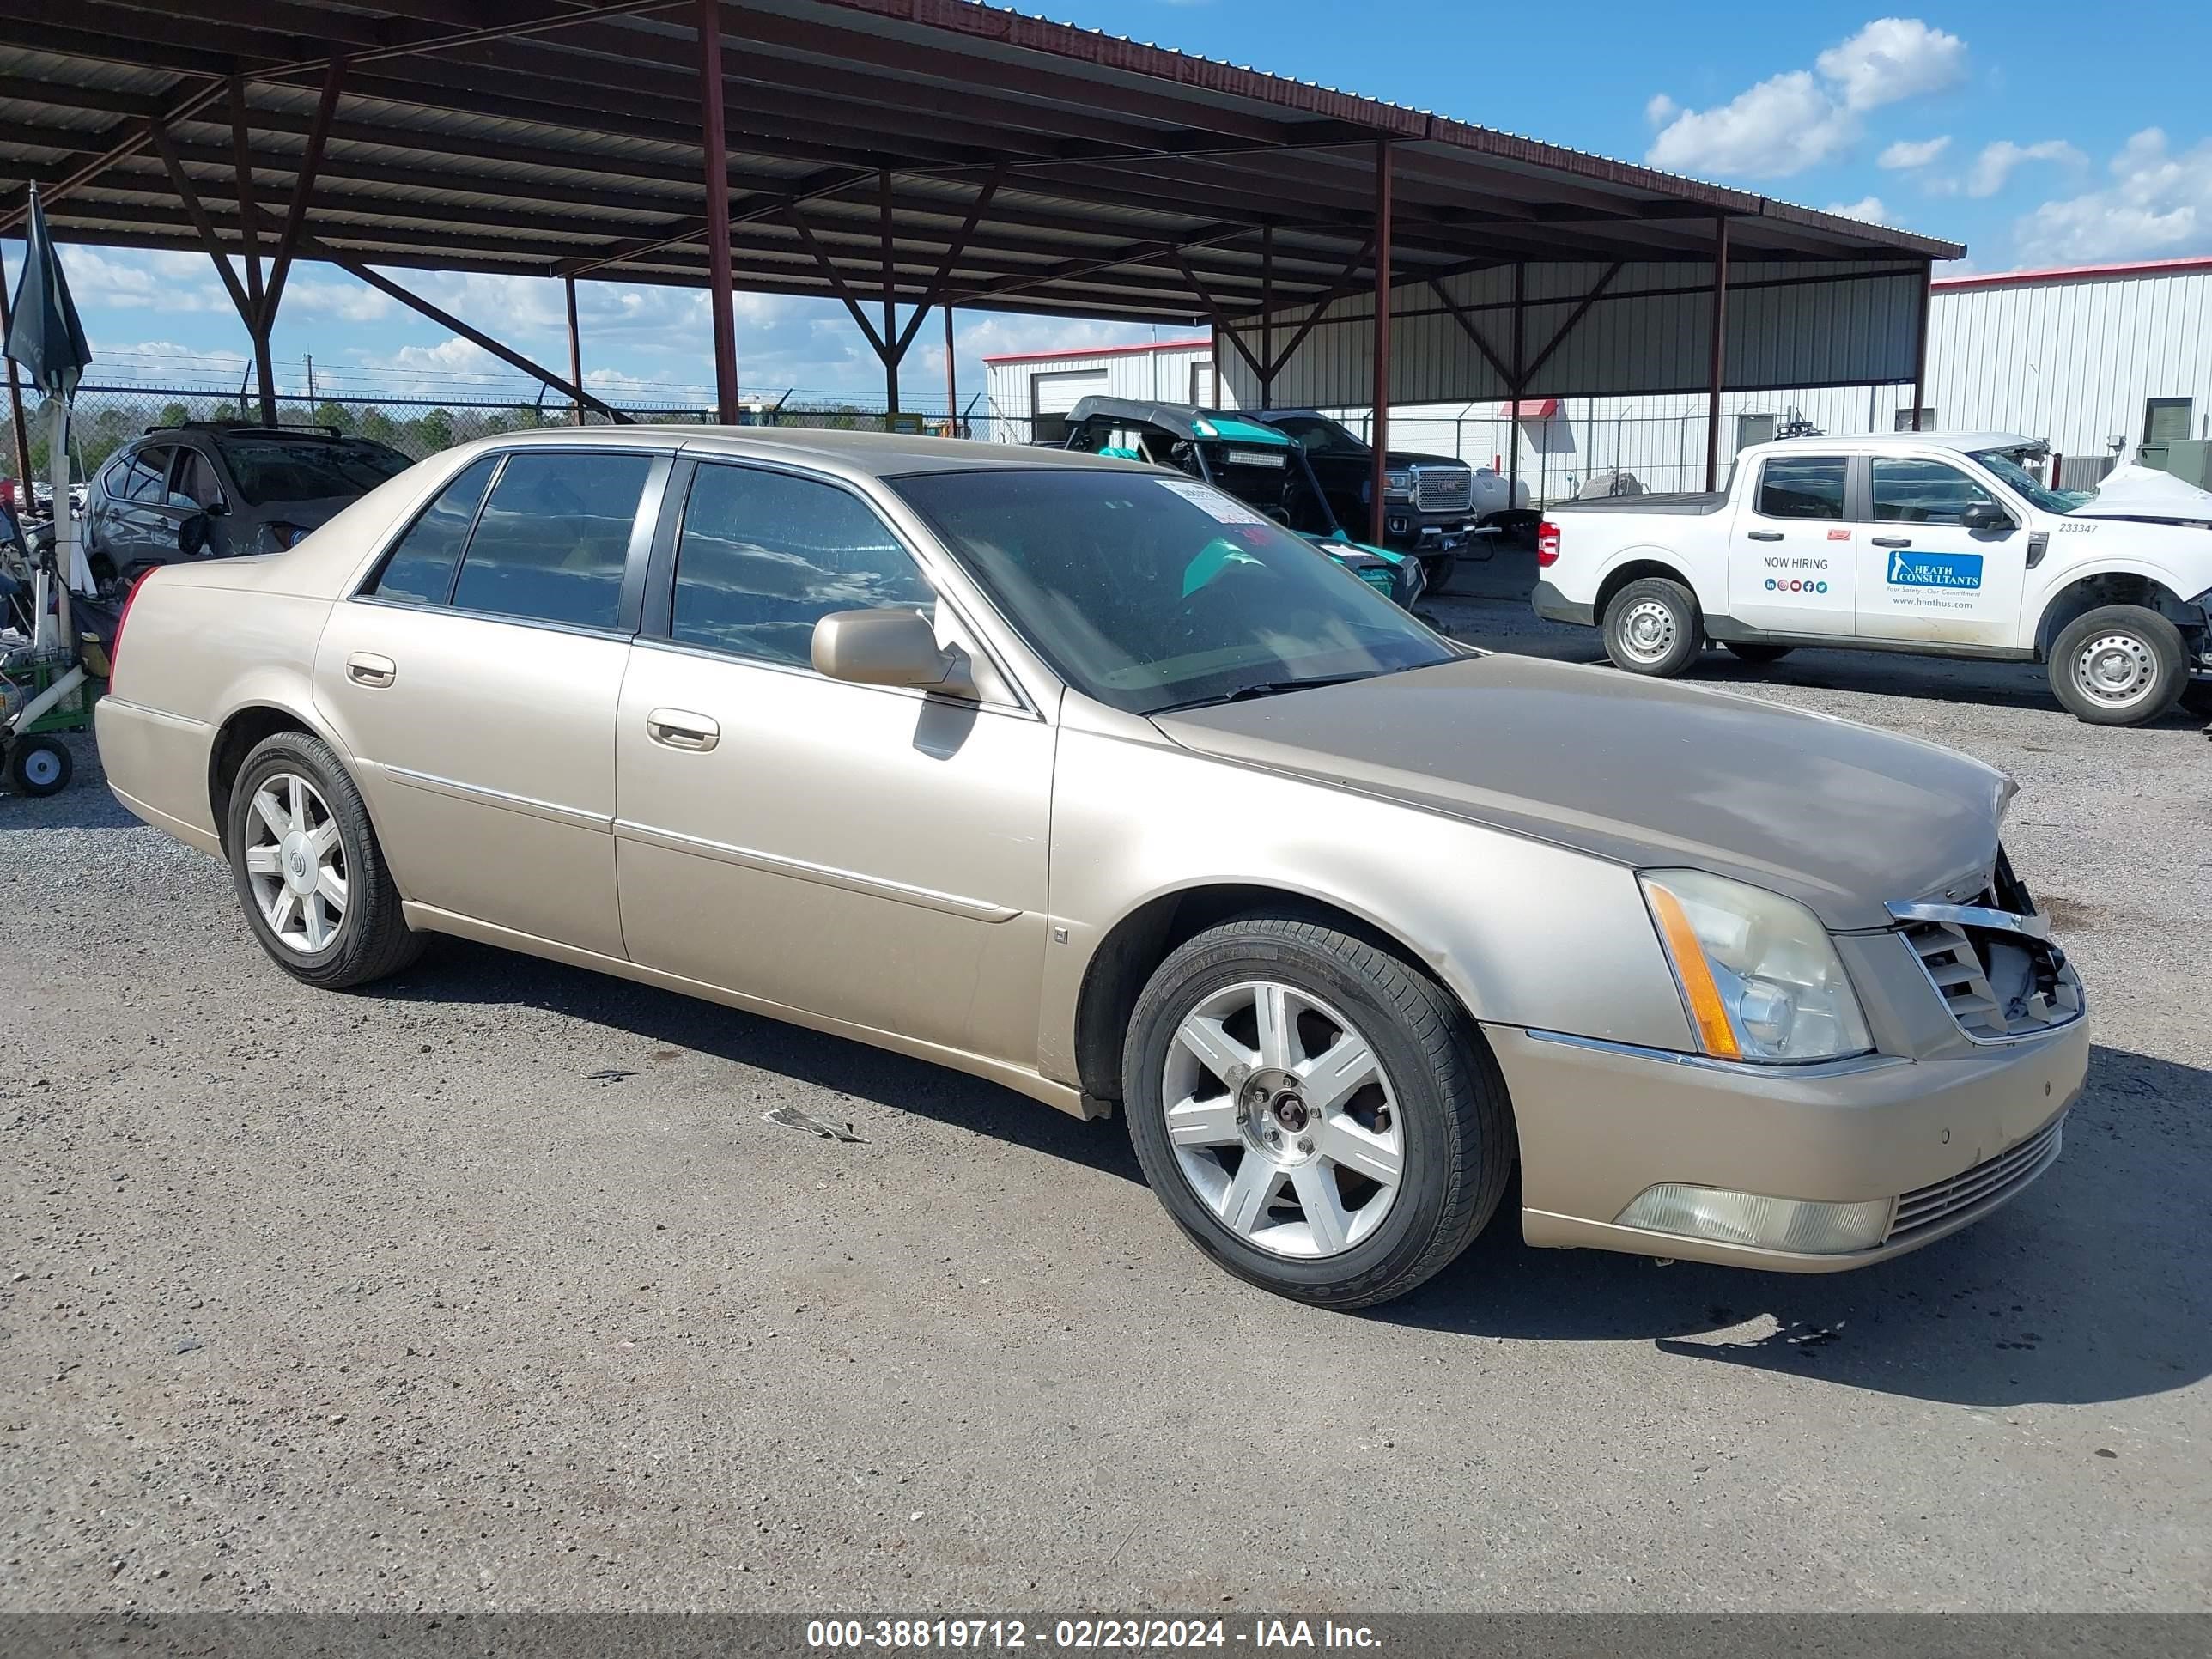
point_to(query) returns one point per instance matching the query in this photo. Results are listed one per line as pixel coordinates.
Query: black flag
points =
(44, 334)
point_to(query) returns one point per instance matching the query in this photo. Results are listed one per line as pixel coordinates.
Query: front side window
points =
(553, 540)
(1923, 492)
(764, 555)
(420, 569)
(196, 480)
(1802, 486)
(1149, 593)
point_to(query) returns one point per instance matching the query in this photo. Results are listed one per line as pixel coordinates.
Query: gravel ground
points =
(384, 1301)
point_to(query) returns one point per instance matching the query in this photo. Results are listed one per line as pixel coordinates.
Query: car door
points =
(866, 854)
(136, 527)
(1792, 565)
(475, 678)
(1924, 575)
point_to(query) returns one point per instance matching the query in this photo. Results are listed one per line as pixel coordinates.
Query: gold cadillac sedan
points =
(1082, 777)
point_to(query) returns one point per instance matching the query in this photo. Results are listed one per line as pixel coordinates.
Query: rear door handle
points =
(1893, 541)
(364, 669)
(1766, 535)
(679, 728)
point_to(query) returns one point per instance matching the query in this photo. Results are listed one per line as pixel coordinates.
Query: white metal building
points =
(2096, 359)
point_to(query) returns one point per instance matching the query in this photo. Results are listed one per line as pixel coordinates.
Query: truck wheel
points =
(1440, 569)
(39, 766)
(2119, 664)
(1319, 1118)
(1757, 654)
(1653, 626)
(309, 874)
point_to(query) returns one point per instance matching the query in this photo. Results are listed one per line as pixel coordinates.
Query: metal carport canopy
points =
(880, 152)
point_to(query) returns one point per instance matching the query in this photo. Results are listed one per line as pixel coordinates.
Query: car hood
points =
(1410, 458)
(2146, 495)
(1839, 816)
(309, 515)
(1340, 546)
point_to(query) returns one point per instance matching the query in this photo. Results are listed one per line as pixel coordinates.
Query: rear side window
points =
(554, 538)
(1802, 486)
(765, 555)
(420, 570)
(148, 477)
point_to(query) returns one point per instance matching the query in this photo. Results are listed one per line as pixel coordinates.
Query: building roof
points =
(1020, 164)
(2071, 274)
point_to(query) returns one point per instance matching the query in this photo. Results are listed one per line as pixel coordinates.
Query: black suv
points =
(215, 490)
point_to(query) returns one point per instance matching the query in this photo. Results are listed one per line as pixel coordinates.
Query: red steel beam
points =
(720, 283)
(1380, 436)
(575, 344)
(303, 186)
(256, 322)
(1720, 351)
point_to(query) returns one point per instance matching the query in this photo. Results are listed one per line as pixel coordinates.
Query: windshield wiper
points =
(1264, 688)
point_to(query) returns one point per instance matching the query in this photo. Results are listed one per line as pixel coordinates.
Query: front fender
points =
(1522, 932)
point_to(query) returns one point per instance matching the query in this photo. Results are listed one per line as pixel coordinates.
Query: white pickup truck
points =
(1934, 542)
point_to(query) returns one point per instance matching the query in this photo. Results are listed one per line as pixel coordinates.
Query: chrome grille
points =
(1442, 489)
(1992, 960)
(2006, 1173)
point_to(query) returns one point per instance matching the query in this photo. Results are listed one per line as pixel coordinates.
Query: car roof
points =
(1965, 442)
(868, 454)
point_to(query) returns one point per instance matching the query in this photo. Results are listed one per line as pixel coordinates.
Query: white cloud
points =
(1904, 153)
(2160, 202)
(1800, 118)
(348, 301)
(133, 281)
(1891, 59)
(1782, 126)
(1994, 167)
(1869, 209)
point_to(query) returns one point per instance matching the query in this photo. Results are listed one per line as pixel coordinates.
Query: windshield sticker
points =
(1223, 509)
(1961, 572)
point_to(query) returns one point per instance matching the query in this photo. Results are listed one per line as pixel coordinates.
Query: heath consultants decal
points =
(1955, 572)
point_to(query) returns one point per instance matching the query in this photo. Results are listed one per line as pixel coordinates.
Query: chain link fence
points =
(104, 417)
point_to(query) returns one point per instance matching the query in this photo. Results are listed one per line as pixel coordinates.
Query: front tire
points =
(1440, 570)
(1653, 626)
(2119, 664)
(1319, 1118)
(309, 874)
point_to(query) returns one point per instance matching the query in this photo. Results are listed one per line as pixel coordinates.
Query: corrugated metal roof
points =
(505, 135)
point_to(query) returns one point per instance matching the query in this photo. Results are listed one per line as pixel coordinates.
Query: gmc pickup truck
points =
(1945, 544)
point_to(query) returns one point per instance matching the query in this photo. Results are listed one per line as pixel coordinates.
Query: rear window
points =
(420, 570)
(1802, 486)
(553, 539)
(270, 469)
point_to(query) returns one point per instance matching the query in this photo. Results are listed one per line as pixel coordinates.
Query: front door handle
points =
(1893, 541)
(364, 669)
(679, 728)
(1766, 535)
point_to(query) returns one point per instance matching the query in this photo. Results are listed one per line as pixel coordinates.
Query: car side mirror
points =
(888, 647)
(192, 535)
(1985, 515)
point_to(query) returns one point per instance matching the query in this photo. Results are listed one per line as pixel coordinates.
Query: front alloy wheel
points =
(2119, 664)
(1318, 1114)
(1282, 1120)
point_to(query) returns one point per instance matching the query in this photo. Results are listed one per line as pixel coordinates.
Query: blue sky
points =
(2036, 133)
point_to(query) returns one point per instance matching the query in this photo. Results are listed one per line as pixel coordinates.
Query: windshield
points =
(1318, 436)
(1148, 592)
(2005, 463)
(269, 469)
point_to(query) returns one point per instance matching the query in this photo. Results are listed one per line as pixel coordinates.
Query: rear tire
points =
(309, 874)
(2119, 664)
(1757, 653)
(1275, 1170)
(1653, 626)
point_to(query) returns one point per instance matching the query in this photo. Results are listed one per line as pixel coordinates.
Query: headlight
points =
(1397, 483)
(1758, 971)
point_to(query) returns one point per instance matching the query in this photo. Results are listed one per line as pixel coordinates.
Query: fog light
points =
(1768, 1224)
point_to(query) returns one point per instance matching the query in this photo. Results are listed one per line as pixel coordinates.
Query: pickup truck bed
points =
(1685, 504)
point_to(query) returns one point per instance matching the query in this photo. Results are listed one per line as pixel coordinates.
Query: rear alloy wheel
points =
(2119, 664)
(1653, 626)
(1320, 1119)
(1757, 654)
(308, 871)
